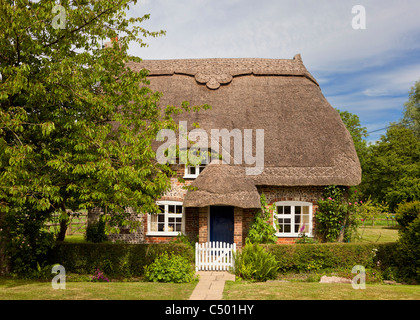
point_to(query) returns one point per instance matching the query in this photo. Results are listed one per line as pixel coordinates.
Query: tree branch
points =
(81, 27)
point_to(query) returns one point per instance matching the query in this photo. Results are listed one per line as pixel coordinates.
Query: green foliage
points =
(117, 260)
(261, 229)
(26, 242)
(95, 232)
(170, 268)
(331, 215)
(392, 173)
(331, 256)
(409, 251)
(406, 213)
(412, 110)
(76, 123)
(339, 214)
(255, 263)
(330, 219)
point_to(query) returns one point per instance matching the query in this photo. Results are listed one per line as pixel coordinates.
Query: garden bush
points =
(407, 212)
(95, 232)
(331, 256)
(255, 263)
(170, 268)
(409, 252)
(114, 259)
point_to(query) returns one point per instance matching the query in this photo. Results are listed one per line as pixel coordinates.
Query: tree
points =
(412, 110)
(76, 124)
(357, 132)
(393, 167)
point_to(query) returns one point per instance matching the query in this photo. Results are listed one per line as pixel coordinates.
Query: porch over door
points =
(221, 224)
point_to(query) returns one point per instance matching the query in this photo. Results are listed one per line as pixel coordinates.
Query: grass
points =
(377, 234)
(15, 289)
(317, 291)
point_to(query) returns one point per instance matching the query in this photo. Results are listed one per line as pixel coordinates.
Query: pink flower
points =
(329, 198)
(349, 203)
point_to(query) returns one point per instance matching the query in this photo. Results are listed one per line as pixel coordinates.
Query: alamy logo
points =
(198, 153)
(60, 277)
(359, 20)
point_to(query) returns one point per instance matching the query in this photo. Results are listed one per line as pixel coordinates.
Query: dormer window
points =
(193, 171)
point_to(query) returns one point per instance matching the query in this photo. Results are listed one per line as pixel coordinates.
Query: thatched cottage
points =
(306, 147)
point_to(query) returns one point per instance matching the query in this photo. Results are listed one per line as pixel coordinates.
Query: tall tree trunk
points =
(64, 221)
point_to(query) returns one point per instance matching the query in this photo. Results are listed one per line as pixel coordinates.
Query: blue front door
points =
(221, 224)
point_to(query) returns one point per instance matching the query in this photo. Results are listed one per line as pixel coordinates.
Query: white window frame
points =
(187, 173)
(167, 215)
(292, 204)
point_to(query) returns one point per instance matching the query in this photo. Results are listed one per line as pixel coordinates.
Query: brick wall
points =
(196, 219)
(299, 193)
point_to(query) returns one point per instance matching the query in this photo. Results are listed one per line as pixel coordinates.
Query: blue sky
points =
(366, 72)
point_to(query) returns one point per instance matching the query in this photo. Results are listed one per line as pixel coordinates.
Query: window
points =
(168, 221)
(193, 171)
(293, 218)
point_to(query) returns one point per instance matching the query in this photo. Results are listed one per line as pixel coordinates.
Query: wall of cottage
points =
(196, 219)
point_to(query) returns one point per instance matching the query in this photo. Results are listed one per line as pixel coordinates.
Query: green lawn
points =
(12, 289)
(377, 233)
(317, 291)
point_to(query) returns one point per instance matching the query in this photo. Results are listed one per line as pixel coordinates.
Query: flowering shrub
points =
(339, 217)
(99, 277)
(330, 219)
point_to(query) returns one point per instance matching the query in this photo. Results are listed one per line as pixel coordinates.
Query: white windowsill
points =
(291, 235)
(163, 234)
(190, 176)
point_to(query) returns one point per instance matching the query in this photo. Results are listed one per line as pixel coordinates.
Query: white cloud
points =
(367, 72)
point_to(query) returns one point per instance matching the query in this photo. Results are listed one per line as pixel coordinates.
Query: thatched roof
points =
(305, 141)
(222, 184)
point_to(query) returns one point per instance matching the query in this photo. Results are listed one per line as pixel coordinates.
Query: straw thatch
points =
(221, 184)
(305, 141)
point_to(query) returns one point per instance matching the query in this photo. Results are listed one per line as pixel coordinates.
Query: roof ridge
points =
(216, 71)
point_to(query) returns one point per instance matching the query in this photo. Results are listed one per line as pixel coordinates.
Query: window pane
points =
(178, 209)
(157, 222)
(287, 210)
(174, 224)
(279, 209)
(297, 210)
(171, 208)
(191, 170)
(201, 168)
(284, 225)
(162, 208)
(305, 210)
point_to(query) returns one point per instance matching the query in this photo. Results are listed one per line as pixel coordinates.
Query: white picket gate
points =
(214, 256)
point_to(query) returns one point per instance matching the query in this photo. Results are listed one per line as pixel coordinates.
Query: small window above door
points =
(193, 171)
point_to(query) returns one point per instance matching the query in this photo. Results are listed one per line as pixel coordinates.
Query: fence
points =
(214, 256)
(76, 225)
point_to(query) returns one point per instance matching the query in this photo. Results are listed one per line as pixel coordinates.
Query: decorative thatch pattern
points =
(305, 141)
(214, 72)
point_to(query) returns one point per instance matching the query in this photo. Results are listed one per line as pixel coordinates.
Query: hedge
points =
(314, 257)
(127, 260)
(115, 259)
